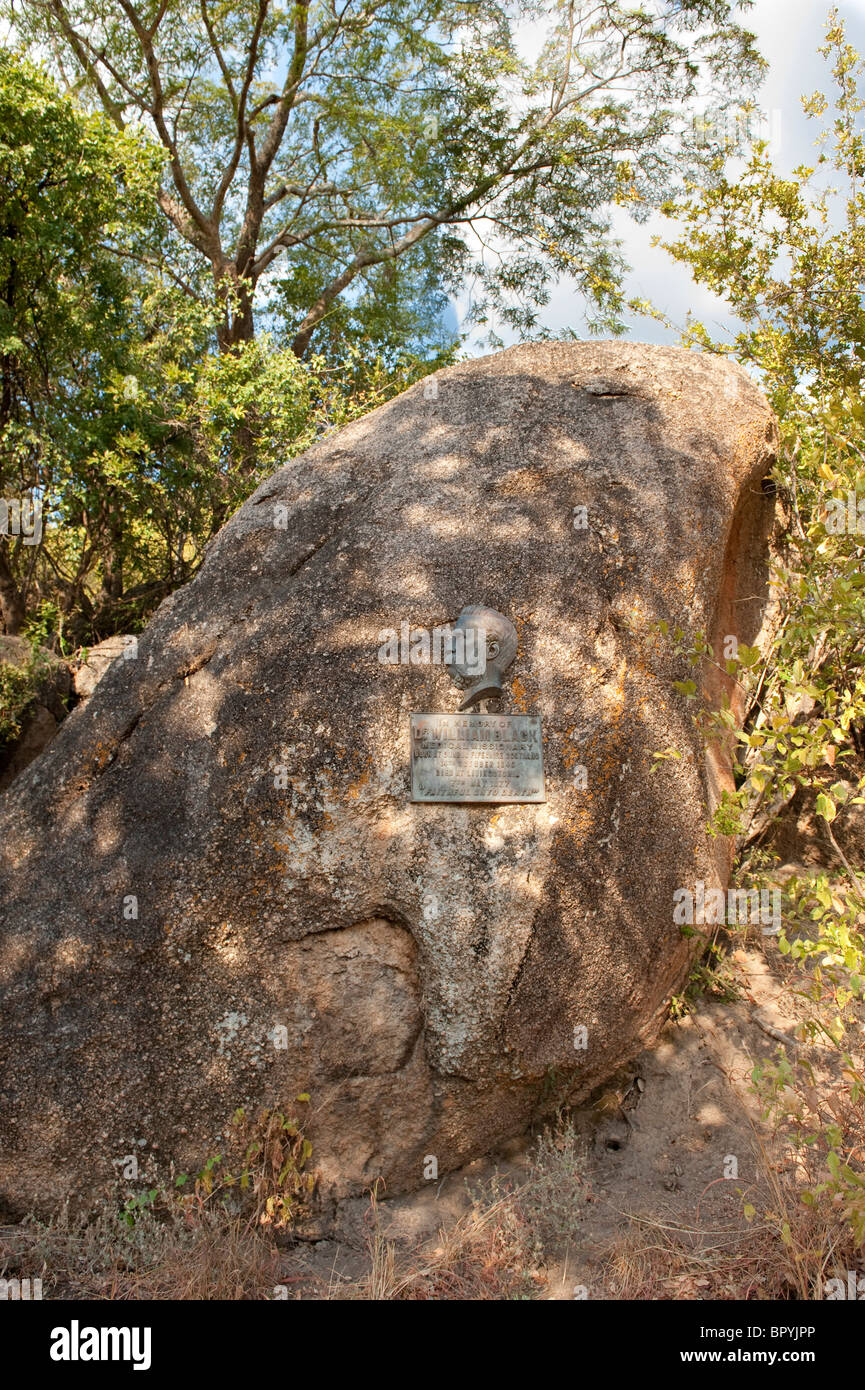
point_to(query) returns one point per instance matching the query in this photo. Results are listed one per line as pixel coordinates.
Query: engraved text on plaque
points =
(476, 757)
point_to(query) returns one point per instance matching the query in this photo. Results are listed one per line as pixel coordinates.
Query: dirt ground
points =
(659, 1144)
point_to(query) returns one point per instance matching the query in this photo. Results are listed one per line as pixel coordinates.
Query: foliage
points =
(69, 185)
(263, 1175)
(710, 977)
(20, 684)
(331, 171)
(272, 1154)
(18, 688)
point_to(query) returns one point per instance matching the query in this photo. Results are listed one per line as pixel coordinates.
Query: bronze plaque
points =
(476, 757)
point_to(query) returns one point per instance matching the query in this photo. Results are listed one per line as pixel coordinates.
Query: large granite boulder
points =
(215, 889)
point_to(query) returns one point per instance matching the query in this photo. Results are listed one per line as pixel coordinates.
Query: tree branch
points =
(208, 232)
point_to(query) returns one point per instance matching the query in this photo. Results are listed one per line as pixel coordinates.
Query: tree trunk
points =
(238, 327)
(238, 324)
(111, 589)
(11, 602)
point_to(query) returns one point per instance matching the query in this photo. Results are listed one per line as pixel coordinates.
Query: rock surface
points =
(89, 673)
(215, 891)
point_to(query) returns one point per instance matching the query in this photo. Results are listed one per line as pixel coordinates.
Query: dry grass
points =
(219, 1256)
(486, 1255)
(497, 1250)
(660, 1259)
(198, 1250)
(209, 1236)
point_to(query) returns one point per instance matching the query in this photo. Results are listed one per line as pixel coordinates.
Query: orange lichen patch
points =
(578, 820)
(519, 696)
(102, 755)
(636, 615)
(569, 756)
(354, 789)
(605, 762)
(521, 481)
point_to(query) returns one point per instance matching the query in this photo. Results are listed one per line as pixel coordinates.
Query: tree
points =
(117, 418)
(313, 147)
(68, 182)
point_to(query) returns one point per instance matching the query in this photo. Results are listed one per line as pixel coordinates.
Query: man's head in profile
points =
(485, 644)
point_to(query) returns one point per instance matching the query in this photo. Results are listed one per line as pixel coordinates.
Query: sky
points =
(788, 33)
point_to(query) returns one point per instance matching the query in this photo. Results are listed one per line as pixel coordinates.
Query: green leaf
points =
(825, 807)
